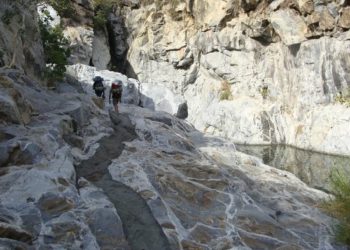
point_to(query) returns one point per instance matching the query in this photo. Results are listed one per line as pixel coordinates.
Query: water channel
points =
(312, 168)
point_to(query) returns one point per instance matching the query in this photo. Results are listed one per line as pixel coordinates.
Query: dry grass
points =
(225, 91)
(339, 205)
(343, 99)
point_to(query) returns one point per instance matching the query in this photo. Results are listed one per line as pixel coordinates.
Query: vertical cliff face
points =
(258, 72)
(20, 43)
(104, 45)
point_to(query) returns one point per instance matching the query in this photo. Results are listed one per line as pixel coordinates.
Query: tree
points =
(55, 48)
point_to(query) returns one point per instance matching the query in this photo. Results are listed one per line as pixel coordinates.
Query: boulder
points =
(289, 26)
(99, 102)
(15, 233)
(182, 111)
(327, 22)
(306, 6)
(108, 228)
(14, 108)
(344, 20)
(52, 205)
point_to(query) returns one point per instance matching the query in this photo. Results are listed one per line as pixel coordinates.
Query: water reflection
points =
(312, 168)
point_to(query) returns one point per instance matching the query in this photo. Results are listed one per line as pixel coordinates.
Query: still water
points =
(312, 168)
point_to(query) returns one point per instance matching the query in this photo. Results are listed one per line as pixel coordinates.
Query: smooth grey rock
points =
(182, 111)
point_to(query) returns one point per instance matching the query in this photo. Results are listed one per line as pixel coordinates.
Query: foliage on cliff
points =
(55, 49)
(102, 9)
(339, 206)
(64, 8)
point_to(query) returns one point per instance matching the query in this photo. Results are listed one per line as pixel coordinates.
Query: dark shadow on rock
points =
(182, 111)
(294, 49)
(141, 228)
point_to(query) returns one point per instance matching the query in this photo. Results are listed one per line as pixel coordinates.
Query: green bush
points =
(64, 8)
(339, 205)
(102, 9)
(55, 49)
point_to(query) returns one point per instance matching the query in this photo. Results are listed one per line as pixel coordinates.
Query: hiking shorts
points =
(116, 100)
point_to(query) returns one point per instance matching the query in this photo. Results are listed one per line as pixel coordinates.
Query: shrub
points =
(55, 49)
(339, 205)
(102, 9)
(225, 91)
(64, 8)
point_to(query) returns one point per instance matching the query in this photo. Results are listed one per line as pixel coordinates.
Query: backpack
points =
(116, 89)
(98, 85)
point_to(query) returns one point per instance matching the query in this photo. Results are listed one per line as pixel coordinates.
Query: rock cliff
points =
(257, 72)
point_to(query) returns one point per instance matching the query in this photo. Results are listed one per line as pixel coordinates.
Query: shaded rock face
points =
(20, 44)
(117, 35)
(284, 69)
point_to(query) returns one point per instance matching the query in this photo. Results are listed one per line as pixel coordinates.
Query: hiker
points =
(116, 94)
(98, 87)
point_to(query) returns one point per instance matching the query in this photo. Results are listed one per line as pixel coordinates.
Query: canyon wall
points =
(257, 72)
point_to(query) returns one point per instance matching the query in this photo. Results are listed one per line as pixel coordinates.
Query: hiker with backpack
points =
(98, 87)
(116, 94)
